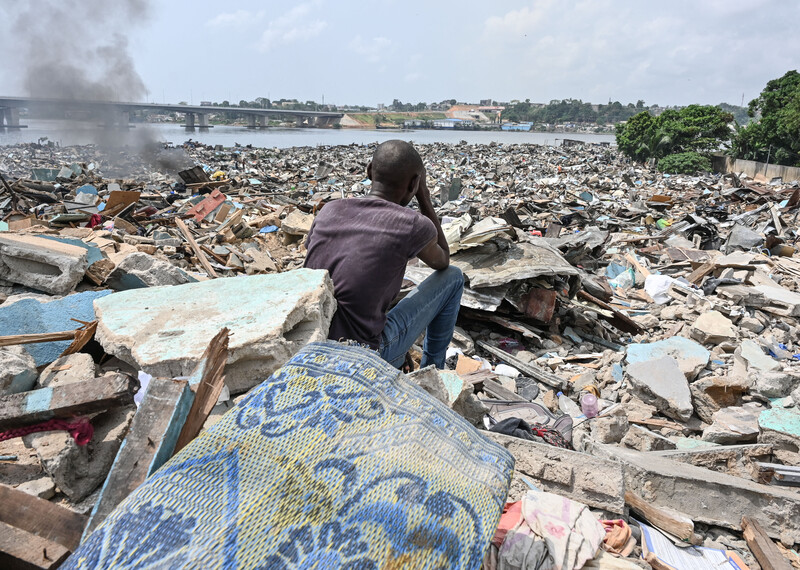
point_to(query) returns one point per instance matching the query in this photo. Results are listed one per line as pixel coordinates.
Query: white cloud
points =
(293, 26)
(237, 18)
(372, 50)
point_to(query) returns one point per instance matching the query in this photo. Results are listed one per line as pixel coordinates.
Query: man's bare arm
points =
(436, 254)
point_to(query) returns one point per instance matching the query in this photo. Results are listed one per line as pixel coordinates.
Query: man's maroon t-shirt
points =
(365, 244)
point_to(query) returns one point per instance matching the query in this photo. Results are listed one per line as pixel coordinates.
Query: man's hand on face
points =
(423, 194)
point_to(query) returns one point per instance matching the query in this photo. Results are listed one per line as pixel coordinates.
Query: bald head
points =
(395, 163)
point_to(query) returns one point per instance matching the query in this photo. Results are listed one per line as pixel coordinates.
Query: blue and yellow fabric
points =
(335, 461)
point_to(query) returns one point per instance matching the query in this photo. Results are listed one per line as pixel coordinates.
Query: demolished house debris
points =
(630, 338)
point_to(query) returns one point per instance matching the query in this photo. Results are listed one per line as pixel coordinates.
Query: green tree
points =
(776, 133)
(696, 128)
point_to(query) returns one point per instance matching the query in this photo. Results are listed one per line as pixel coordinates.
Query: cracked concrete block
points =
(297, 223)
(773, 384)
(78, 367)
(662, 383)
(470, 407)
(77, 470)
(734, 424)
(609, 429)
(42, 487)
(17, 370)
(755, 358)
(781, 428)
(164, 330)
(642, 439)
(428, 379)
(139, 270)
(707, 496)
(713, 328)
(712, 393)
(690, 356)
(736, 460)
(591, 480)
(42, 264)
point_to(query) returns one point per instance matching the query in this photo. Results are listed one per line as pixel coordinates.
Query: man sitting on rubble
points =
(365, 243)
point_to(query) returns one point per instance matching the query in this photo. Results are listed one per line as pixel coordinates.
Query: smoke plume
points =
(78, 49)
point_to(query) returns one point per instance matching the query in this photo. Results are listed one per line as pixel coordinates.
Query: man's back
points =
(365, 245)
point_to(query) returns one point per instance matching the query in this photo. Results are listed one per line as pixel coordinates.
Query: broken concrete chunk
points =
(781, 428)
(713, 328)
(297, 223)
(78, 470)
(690, 356)
(662, 383)
(712, 393)
(734, 425)
(742, 238)
(470, 407)
(164, 330)
(755, 358)
(77, 367)
(610, 428)
(42, 487)
(42, 264)
(779, 301)
(428, 379)
(17, 370)
(139, 270)
(773, 384)
(642, 439)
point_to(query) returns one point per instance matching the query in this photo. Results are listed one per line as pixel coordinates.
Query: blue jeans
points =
(431, 307)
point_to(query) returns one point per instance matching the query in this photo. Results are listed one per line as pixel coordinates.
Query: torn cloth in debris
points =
(337, 459)
(554, 533)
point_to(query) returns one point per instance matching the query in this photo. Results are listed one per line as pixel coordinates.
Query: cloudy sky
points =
(671, 52)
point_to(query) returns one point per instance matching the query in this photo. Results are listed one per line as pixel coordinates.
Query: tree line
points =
(682, 140)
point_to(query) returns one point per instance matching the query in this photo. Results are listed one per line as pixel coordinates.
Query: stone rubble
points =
(672, 300)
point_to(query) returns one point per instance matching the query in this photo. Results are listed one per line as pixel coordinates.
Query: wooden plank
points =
(208, 390)
(497, 391)
(150, 442)
(201, 257)
(762, 547)
(639, 267)
(697, 276)
(25, 408)
(671, 521)
(23, 550)
(619, 320)
(42, 518)
(14, 339)
(527, 369)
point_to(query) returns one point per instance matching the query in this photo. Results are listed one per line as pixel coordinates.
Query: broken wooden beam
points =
(664, 518)
(201, 257)
(212, 380)
(765, 551)
(620, 320)
(149, 444)
(80, 398)
(15, 339)
(20, 549)
(42, 518)
(527, 369)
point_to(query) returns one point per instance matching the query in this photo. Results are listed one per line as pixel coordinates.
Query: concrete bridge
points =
(116, 113)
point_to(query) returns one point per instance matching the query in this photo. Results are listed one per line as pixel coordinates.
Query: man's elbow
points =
(440, 263)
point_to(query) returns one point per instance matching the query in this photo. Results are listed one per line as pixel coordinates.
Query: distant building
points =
(486, 102)
(452, 124)
(381, 106)
(206, 103)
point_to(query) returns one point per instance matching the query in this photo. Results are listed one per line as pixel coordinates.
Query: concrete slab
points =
(707, 496)
(164, 330)
(29, 316)
(662, 383)
(713, 328)
(42, 264)
(736, 424)
(755, 358)
(781, 428)
(690, 356)
(139, 270)
(779, 301)
(591, 480)
(712, 393)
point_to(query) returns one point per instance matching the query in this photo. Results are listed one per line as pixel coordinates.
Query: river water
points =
(76, 133)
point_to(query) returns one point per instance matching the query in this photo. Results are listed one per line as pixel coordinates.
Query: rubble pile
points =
(631, 337)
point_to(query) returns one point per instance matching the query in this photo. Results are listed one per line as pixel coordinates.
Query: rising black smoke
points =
(78, 49)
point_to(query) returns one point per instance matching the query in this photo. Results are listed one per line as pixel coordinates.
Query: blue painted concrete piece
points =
(691, 356)
(783, 420)
(29, 316)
